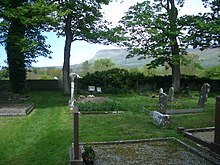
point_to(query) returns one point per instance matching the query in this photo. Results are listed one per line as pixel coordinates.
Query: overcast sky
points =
(82, 51)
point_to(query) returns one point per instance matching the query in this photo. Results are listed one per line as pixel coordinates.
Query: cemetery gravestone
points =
(99, 89)
(205, 89)
(161, 119)
(91, 89)
(171, 94)
(73, 76)
(162, 103)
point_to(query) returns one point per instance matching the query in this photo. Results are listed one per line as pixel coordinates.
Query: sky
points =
(82, 51)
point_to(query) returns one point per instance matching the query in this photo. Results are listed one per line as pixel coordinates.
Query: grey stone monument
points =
(205, 89)
(73, 76)
(161, 90)
(171, 94)
(162, 103)
(160, 119)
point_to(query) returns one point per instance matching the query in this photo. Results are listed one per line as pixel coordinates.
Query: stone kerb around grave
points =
(160, 117)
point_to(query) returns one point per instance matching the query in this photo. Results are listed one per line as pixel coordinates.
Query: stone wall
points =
(56, 84)
(35, 84)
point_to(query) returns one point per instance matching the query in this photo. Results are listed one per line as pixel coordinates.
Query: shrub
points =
(103, 106)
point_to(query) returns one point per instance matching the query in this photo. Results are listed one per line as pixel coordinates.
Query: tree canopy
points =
(79, 20)
(154, 29)
(21, 23)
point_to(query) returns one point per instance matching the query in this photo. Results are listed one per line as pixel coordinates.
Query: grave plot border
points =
(184, 111)
(27, 109)
(211, 157)
(188, 134)
(101, 112)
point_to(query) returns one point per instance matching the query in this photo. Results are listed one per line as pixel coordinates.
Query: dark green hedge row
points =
(119, 80)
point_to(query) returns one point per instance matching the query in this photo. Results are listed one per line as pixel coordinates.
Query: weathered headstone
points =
(205, 89)
(160, 119)
(91, 89)
(162, 103)
(186, 89)
(99, 89)
(171, 94)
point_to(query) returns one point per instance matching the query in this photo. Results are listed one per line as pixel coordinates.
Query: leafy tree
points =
(151, 29)
(203, 29)
(191, 65)
(84, 68)
(4, 73)
(22, 22)
(213, 72)
(79, 20)
(103, 64)
(155, 30)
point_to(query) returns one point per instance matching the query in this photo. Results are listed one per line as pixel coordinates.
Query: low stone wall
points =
(57, 84)
(35, 84)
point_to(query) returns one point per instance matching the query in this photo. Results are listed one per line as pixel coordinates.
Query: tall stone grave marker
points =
(205, 89)
(171, 94)
(161, 90)
(162, 103)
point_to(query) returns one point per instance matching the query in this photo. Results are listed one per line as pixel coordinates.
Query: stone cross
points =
(204, 95)
(171, 94)
(73, 76)
(162, 103)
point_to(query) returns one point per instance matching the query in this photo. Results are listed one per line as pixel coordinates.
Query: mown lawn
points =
(45, 136)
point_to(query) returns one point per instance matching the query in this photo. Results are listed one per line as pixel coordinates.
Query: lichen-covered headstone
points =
(161, 119)
(205, 89)
(162, 103)
(171, 94)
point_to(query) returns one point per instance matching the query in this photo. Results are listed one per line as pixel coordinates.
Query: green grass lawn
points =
(45, 136)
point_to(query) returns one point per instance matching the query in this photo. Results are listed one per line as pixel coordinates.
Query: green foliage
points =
(191, 65)
(103, 106)
(102, 64)
(203, 30)
(21, 25)
(213, 72)
(79, 20)
(155, 30)
(114, 81)
(4, 73)
(45, 73)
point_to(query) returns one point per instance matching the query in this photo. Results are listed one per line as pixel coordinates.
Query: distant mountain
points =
(118, 56)
(209, 57)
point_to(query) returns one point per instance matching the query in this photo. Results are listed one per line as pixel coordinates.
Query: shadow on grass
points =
(47, 99)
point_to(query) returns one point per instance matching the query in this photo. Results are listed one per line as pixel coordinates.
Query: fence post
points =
(217, 121)
(76, 133)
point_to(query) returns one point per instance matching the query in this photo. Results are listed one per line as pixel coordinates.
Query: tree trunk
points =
(67, 49)
(176, 77)
(175, 61)
(15, 56)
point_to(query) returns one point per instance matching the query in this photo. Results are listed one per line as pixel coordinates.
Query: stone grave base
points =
(100, 112)
(184, 111)
(15, 109)
(72, 161)
(150, 151)
(202, 136)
